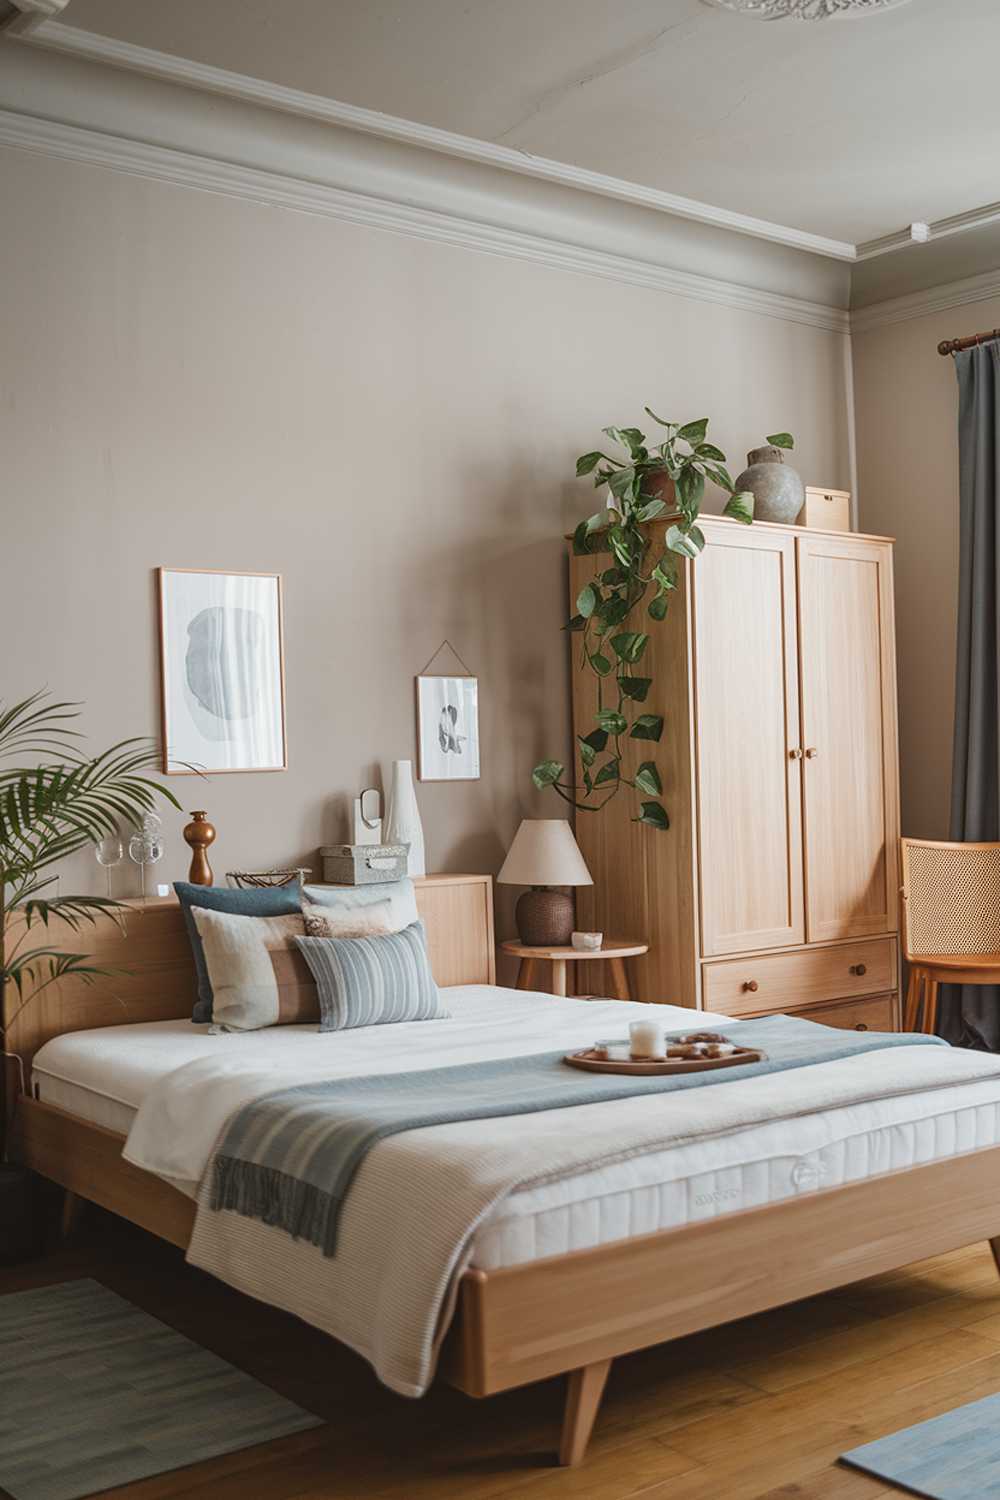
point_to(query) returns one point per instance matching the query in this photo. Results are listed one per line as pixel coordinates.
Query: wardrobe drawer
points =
(788, 981)
(877, 1013)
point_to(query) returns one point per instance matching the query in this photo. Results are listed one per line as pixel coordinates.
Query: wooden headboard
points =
(156, 980)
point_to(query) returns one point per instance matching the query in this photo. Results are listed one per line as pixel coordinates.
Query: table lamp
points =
(544, 854)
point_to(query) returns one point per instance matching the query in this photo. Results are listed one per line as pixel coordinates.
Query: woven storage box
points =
(363, 864)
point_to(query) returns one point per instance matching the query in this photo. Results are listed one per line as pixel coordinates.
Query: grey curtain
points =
(970, 1014)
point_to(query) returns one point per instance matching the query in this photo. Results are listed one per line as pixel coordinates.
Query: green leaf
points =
(647, 779)
(587, 600)
(720, 476)
(658, 607)
(586, 463)
(597, 739)
(654, 814)
(621, 545)
(608, 772)
(680, 542)
(612, 577)
(647, 727)
(600, 663)
(547, 773)
(694, 432)
(635, 441)
(781, 440)
(665, 577)
(740, 507)
(581, 540)
(576, 623)
(709, 450)
(635, 687)
(611, 720)
(587, 752)
(622, 483)
(649, 510)
(690, 488)
(630, 645)
(612, 610)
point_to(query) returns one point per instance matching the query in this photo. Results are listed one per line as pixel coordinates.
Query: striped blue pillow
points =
(373, 981)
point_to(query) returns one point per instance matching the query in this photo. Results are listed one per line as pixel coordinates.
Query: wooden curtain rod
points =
(952, 346)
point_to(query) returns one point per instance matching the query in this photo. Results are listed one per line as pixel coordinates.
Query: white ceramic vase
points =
(402, 824)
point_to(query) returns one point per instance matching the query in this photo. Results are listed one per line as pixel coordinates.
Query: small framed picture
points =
(222, 676)
(448, 728)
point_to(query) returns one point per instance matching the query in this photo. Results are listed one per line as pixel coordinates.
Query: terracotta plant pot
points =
(658, 485)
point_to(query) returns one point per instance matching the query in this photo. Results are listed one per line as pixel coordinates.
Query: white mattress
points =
(103, 1076)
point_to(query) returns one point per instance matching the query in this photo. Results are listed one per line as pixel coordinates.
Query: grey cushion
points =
(373, 981)
(271, 901)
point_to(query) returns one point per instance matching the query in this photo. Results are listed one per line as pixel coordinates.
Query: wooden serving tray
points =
(592, 1064)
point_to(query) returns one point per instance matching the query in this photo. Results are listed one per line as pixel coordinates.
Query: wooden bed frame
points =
(567, 1314)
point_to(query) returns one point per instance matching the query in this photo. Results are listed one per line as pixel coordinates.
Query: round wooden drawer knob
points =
(751, 985)
(861, 1026)
(859, 969)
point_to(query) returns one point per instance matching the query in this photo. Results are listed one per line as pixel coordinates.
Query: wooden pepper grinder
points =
(199, 833)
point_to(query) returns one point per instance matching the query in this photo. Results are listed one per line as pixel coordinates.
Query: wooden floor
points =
(755, 1411)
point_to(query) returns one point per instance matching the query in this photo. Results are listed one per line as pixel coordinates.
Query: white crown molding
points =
(95, 148)
(57, 36)
(932, 300)
(974, 218)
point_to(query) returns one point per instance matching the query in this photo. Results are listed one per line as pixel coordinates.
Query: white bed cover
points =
(104, 1075)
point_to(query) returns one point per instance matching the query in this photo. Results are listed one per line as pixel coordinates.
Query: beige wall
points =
(907, 413)
(194, 380)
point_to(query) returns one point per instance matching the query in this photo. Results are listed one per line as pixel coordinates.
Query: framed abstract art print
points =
(448, 728)
(221, 671)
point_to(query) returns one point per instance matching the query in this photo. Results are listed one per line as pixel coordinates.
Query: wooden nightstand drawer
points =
(789, 981)
(877, 1013)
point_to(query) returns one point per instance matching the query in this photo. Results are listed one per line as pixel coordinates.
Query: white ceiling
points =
(850, 129)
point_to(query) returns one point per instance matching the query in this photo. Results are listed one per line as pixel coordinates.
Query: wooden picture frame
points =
(229, 625)
(448, 741)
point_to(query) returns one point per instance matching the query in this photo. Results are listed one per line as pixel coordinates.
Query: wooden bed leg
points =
(583, 1397)
(995, 1248)
(72, 1213)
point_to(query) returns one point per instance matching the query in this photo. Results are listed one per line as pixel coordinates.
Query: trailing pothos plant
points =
(636, 584)
(54, 801)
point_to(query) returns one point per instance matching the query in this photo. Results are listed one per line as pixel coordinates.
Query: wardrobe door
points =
(848, 690)
(747, 716)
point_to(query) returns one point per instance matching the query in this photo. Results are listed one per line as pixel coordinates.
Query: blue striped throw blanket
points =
(288, 1158)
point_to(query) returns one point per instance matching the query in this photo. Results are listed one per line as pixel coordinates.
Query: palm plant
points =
(62, 801)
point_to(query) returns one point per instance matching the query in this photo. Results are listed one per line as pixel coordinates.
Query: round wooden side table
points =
(614, 952)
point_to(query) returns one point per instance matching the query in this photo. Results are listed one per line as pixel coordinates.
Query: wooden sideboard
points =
(775, 887)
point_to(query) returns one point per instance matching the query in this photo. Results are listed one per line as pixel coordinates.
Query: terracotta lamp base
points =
(544, 918)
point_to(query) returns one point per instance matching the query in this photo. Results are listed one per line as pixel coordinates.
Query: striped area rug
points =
(95, 1393)
(952, 1457)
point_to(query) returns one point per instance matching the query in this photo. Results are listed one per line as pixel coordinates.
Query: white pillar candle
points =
(646, 1039)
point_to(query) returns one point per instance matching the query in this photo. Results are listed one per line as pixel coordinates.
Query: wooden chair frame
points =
(926, 974)
(574, 1313)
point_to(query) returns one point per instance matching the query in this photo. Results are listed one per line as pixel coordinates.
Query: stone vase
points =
(402, 823)
(777, 488)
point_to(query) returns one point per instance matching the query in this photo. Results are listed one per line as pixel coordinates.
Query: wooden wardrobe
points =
(775, 887)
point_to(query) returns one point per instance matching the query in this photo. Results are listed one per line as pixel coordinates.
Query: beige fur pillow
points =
(356, 922)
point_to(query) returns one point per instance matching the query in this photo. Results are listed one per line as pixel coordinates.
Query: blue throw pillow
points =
(268, 901)
(373, 981)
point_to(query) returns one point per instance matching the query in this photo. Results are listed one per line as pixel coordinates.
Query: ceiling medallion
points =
(807, 10)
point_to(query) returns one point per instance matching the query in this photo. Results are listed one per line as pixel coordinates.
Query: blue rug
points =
(954, 1457)
(95, 1393)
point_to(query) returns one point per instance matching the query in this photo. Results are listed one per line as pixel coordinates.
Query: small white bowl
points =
(587, 942)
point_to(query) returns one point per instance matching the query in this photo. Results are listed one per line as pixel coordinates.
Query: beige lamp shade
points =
(544, 852)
